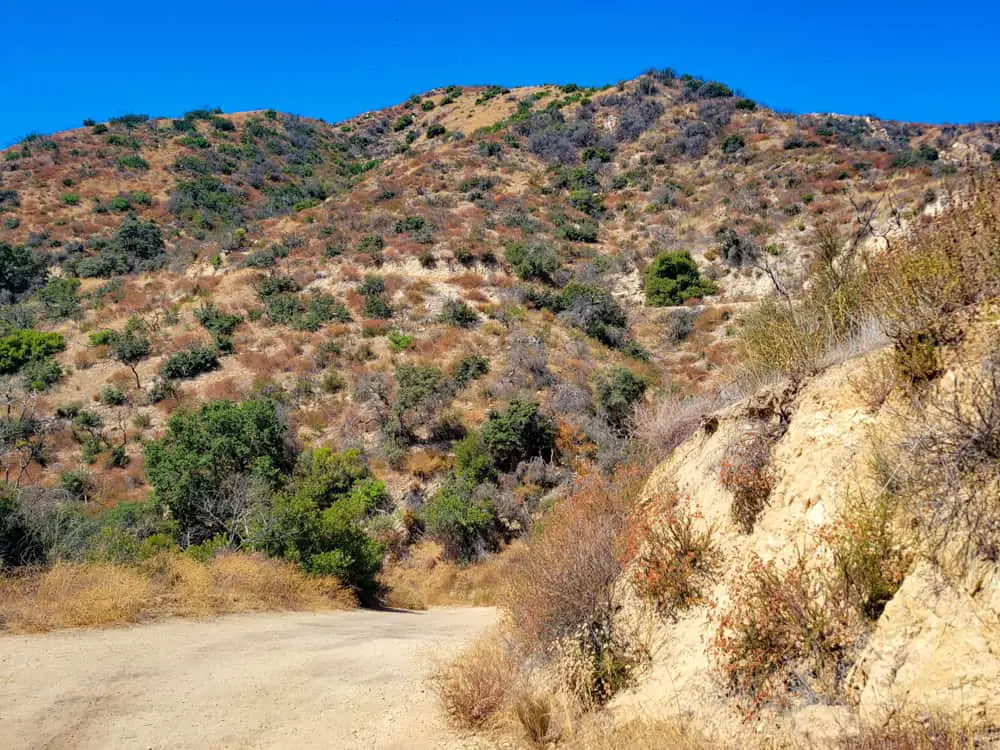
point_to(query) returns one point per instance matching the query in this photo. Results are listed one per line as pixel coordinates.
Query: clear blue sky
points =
(64, 61)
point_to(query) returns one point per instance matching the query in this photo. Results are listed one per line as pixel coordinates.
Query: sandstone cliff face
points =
(935, 650)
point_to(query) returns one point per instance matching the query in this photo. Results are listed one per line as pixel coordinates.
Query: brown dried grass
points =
(72, 595)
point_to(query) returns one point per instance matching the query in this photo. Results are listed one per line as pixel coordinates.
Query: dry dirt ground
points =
(301, 680)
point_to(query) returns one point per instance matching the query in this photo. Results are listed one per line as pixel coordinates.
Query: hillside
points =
(499, 271)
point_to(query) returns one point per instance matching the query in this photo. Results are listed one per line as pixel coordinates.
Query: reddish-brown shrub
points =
(785, 632)
(674, 560)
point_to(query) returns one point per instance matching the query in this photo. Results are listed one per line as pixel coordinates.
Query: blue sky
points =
(65, 61)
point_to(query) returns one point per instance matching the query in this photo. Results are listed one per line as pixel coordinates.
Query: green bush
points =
(70, 199)
(60, 297)
(521, 431)
(672, 278)
(402, 122)
(617, 393)
(435, 130)
(470, 368)
(41, 374)
(376, 307)
(535, 261)
(190, 363)
(317, 521)
(216, 322)
(457, 313)
(112, 395)
(464, 525)
(21, 347)
(133, 161)
(20, 268)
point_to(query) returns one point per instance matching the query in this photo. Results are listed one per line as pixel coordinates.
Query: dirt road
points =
(314, 680)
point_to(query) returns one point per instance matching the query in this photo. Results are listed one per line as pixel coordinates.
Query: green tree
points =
(130, 346)
(204, 451)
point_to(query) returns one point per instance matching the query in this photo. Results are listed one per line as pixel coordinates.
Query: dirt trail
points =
(301, 680)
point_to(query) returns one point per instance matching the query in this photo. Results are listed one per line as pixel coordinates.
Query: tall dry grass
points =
(425, 578)
(71, 595)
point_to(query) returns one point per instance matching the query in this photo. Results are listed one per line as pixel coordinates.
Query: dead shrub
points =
(675, 560)
(747, 473)
(562, 596)
(916, 735)
(537, 715)
(669, 422)
(477, 685)
(946, 464)
(785, 632)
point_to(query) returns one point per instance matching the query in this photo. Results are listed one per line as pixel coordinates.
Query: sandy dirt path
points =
(301, 680)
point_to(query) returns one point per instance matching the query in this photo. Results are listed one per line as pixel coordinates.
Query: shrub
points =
(70, 199)
(129, 346)
(746, 472)
(41, 374)
(534, 261)
(418, 393)
(133, 161)
(112, 395)
(376, 307)
(784, 631)
(470, 368)
(520, 432)
(402, 122)
(457, 313)
(190, 363)
(736, 249)
(675, 561)
(617, 394)
(20, 268)
(563, 596)
(871, 551)
(216, 322)
(435, 130)
(399, 341)
(60, 297)
(476, 686)
(672, 278)
(22, 347)
(317, 520)
(462, 521)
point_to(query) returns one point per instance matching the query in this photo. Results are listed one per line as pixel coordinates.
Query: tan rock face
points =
(935, 650)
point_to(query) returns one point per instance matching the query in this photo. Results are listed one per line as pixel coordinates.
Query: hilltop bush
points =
(617, 394)
(190, 363)
(22, 347)
(673, 278)
(519, 432)
(20, 269)
(533, 261)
